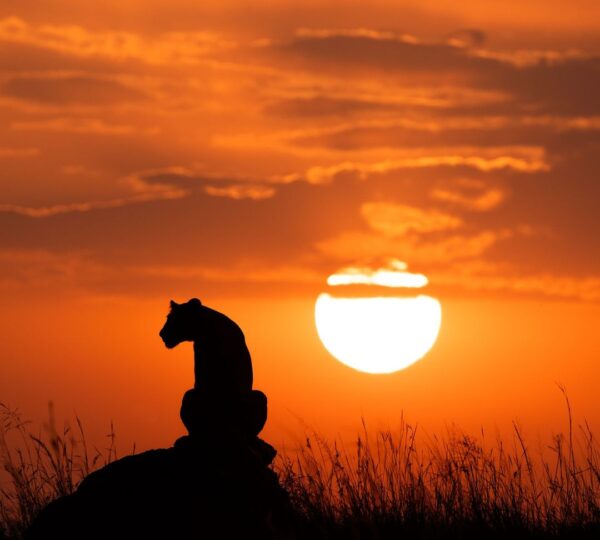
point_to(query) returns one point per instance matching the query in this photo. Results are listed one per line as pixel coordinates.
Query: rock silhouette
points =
(213, 483)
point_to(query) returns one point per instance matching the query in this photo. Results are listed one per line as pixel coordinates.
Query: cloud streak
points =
(471, 194)
(70, 89)
(395, 220)
(324, 174)
(142, 193)
(186, 48)
(551, 82)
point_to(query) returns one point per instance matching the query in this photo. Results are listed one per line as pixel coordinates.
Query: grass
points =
(400, 484)
(41, 466)
(452, 488)
(457, 486)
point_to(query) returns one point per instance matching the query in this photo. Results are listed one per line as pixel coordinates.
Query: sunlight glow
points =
(378, 334)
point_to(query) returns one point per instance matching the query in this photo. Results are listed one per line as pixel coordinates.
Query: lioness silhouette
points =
(214, 482)
(222, 397)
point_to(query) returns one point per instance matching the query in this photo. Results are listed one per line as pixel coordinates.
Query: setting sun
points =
(373, 333)
(379, 334)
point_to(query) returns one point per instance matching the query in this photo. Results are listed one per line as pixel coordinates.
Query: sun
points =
(378, 334)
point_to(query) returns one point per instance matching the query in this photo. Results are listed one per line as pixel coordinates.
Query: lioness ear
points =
(173, 304)
(195, 302)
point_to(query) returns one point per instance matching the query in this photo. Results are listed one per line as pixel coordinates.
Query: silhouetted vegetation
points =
(457, 486)
(42, 466)
(399, 484)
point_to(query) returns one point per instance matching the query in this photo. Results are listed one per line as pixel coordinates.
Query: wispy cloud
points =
(551, 81)
(471, 194)
(142, 192)
(164, 184)
(353, 245)
(70, 89)
(174, 47)
(324, 174)
(393, 273)
(370, 100)
(395, 220)
(241, 191)
(489, 279)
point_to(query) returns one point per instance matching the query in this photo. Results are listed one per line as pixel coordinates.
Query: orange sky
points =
(242, 154)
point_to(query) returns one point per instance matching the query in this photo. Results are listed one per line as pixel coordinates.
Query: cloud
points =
(323, 105)
(457, 131)
(166, 184)
(142, 192)
(185, 48)
(241, 191)
(42, 273)
(214, 185)
(174, 243)
(79, 125)
(472, 275)
(353, 245)
(470, 194)
(396, 220)
(379, 101)
(379, 52)
(490, 278)
(322, 33)
(548, 82)
(562, 123)
(467, 37)
(70, 89)
(325, 174)
(298, 156)
(408, 233)
(393, 273)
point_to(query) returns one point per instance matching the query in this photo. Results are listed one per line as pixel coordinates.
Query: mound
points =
(195, 489)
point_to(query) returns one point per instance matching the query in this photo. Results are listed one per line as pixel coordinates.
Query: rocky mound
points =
(195, 489)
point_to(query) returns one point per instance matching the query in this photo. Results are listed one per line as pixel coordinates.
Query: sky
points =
(243, 152)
